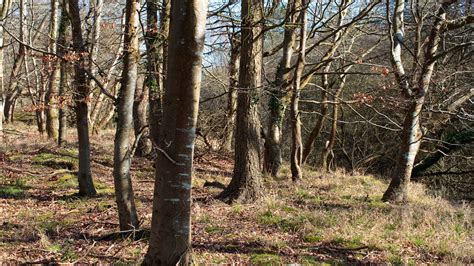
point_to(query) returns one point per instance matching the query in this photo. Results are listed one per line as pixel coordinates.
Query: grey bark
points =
(279, 98)
(52, 122)
(86, 185)
(412, 133)
(128, 218)
(170, 240)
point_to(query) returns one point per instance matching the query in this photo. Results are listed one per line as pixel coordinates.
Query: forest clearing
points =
(333, 218)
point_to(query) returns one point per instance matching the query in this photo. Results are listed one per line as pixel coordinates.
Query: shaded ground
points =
(326, 218)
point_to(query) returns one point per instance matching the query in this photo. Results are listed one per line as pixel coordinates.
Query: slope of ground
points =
(327, 218)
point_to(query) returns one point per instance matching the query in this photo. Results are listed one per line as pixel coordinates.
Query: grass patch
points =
(354, 242)
(286, 224)
(213, 229)
(265, 259)
(56, 161)
(14, 191)
(51, 225)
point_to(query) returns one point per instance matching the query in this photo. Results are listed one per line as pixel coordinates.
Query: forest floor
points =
(327, 218)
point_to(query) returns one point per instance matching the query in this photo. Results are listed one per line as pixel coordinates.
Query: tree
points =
(232, 93)
(415, 86)
(156, 40)
(246, 183)
(296, 140)
(61, 49)
(3, 15)
(52, 122)
(170, 240)
(86, 185)
(279, 97)
(128, 217)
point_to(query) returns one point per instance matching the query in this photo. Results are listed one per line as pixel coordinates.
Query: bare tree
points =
(128, 217)
(279, 97)
(246, 184)
(5, 6)
(170, 240)
(61, 50)
(232, 93)
(157, 43)
(86, 185)
(296, 140)
(52, 122)
(415, 86)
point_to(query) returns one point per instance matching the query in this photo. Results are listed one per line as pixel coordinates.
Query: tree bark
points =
(246, 184)
(296, 140)
(9, 95)
(86, 185)
(170, 240)
(62, 93)
(232, 94)
(127, 212)
(279, 96)
(140, 121)
(93, 43)
(316, 131)
(411, 133)
(328, 149)
(156, 61)
(52, 122)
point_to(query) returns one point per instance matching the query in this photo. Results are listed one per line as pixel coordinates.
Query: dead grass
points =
(332, 218)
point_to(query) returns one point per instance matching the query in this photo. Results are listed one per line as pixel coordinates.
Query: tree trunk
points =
(170, 240)
(14, 90)
(410, 144)
(157, 61)
(296, 141)
(3, 14)
(328, 149)
(52, 122)
(62, 130)
(313, 136)
(246, 184)
(96, 6)
(127, 212)
(412, 134)
(62, 97)
(279, 96)
(232, 94)
(140, 121)
(86, 185)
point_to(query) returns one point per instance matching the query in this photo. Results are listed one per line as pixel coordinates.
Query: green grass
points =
(313, 238)
(56, 161)
(213, 229)
(284, 223)
(265, 259)
(14, 191)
